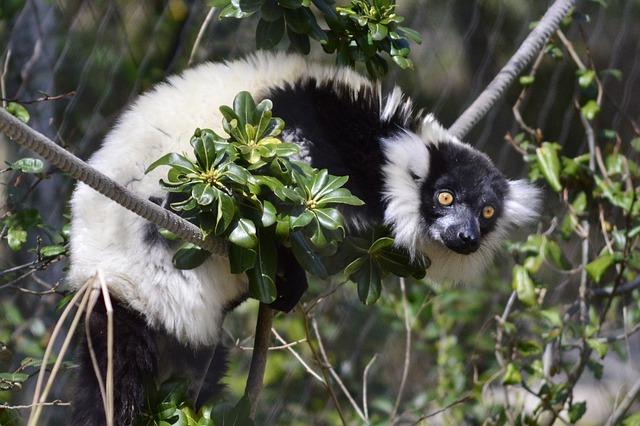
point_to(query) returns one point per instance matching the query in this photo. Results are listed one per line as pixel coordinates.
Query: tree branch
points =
(259, 358)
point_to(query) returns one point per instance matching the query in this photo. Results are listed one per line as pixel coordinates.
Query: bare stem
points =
(259, 358)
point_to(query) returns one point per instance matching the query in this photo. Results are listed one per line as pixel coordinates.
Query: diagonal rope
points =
(529, 48)
(78, 169)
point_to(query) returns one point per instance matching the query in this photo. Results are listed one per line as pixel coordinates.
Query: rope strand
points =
(78, 169)
(529, 48)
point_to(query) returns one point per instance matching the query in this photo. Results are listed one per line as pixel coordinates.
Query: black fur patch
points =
(344, 128)
(212, 385)
(135, 360)
(473, 179)
(291, 281)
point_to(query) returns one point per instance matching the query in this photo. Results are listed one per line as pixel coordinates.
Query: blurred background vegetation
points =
(94, 57)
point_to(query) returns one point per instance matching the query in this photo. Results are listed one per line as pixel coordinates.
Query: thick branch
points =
(259, 358)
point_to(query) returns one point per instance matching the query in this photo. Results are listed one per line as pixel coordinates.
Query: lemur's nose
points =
(468, 237)
(470, 240)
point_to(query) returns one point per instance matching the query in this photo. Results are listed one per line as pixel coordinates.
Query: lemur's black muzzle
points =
(463, 236)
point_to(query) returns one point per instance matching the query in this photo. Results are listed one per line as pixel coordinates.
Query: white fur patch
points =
(407, 159)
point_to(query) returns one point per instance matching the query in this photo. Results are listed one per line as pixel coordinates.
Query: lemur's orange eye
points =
(445, 198)
(488, 212)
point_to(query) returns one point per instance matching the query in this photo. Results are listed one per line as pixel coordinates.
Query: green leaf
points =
(410, 34)
(339, 196)
(590, 110)
(527, 80)
(523, 285)
(552, 317)
(204, 194)
(268, 214)
(205, 150)
(14, 377)
(18, 111)
(262, 276)
(244, 234)
(290, 4)
(269, 33)
(549, 163)
(586, 78)
(225, 212)
(402, 62)
(378, 31)
(270, 11)
(190, 256)
(237, 173)
(632, 420)
(301, 220)
(369, 282)
(635, 144)
(16, 237)
(576, 411)
(52, 251)
(28, 165)
(511, 375)
(599, 346)
(300, 42)
(241, 259)
(380, 244)
(306, 256)
(250, 6)
(329, 218)
(599, 266)
(244, 107)
(174, 160)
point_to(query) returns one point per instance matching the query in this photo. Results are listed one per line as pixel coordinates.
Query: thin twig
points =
(38, 398)
(336, 377)
(93, 298)
(296, 355)
(274, 348)
(365, 405)
(5, 69)
(323, 368)
(443, 409)
(624, 405)
(43, 98)
(407, 349)
(200, 35)
(109, 309)
(56, 402)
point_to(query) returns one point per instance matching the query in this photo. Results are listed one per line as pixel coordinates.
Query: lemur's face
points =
(447, 201)
(462, 198)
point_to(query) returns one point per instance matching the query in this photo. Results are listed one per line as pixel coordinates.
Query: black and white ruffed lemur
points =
(439, 197)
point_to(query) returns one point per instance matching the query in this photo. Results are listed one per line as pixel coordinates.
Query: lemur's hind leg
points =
(134, 360)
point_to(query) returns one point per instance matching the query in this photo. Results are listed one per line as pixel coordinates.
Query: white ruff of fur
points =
(407, 154)
(188, 304)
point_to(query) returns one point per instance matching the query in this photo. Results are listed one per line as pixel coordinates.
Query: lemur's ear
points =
(522, 203)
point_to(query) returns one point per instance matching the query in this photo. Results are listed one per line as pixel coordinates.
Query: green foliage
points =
(248, 190)
(18, 111)
(357, 33)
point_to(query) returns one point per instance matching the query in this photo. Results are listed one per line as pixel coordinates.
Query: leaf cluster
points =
(248, 190)
(357, 33)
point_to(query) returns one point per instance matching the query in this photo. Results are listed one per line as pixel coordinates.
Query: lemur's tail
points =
(134, 360)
